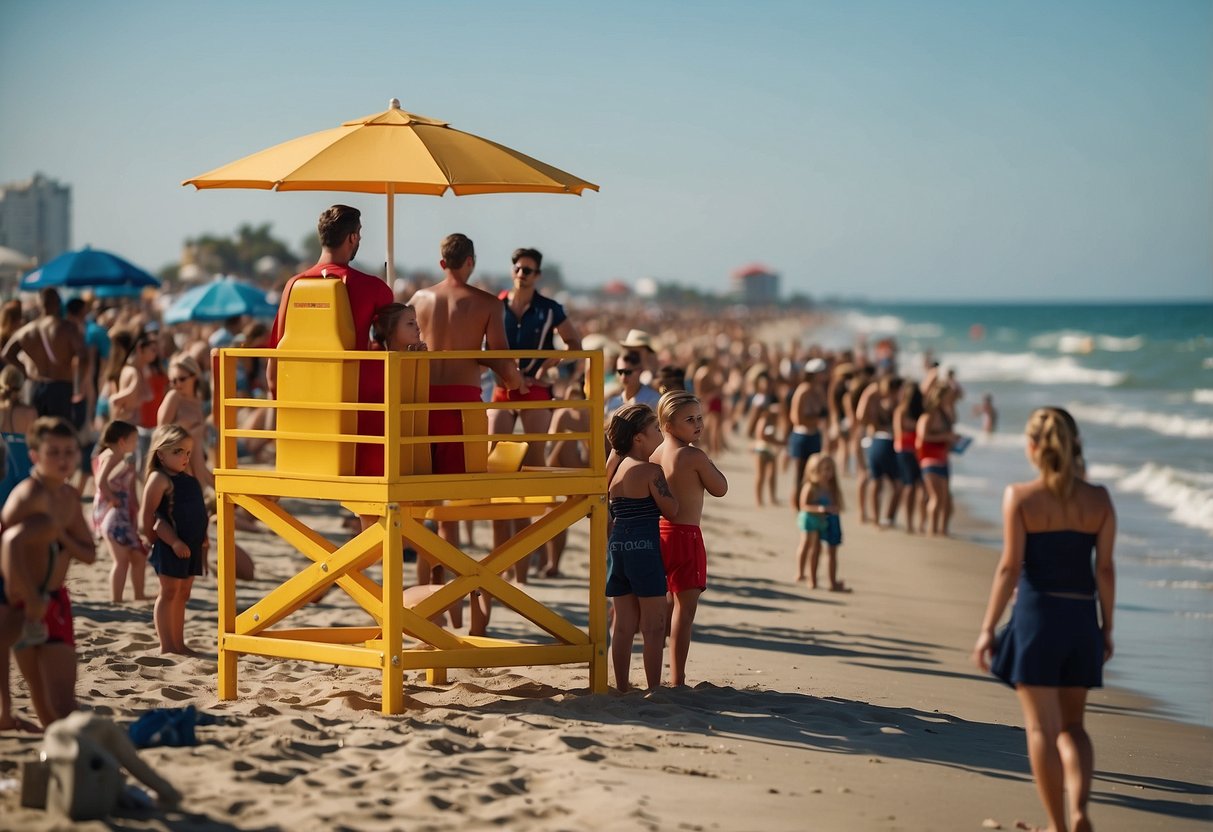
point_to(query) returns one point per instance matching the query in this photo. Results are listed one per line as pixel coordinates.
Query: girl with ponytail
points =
(1058, 532)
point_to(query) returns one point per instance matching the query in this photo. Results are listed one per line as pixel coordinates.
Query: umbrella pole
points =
(389, 272)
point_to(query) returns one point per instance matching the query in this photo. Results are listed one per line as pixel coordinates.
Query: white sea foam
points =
(1079, 342)
(1106, 472)
(1188, 495)
(1185, 562)
(1029, 368)
(1202, 396)
(874, 324)
(1166, 424)
(1164, 584)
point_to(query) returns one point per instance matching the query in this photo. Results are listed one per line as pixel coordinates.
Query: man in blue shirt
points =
(531, 323)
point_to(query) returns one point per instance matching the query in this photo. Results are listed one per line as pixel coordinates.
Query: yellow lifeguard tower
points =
(316, 433)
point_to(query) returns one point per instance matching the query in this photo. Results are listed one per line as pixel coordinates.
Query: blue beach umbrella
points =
(86, 267)
(222, 298)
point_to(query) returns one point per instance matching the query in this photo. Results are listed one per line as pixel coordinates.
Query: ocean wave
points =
(1164, 584)
(1187, 494)
(1104, 472)
(1165, 424)
(1186, 562)
(1028, 367)
(873, 324)
(1079, 342)
(1202, 396)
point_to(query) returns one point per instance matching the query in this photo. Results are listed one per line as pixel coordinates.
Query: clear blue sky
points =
(894, 150)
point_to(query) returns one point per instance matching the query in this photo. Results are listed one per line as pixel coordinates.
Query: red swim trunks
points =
(535, 393)
(58, 618)
(684, 556)
(449, 456)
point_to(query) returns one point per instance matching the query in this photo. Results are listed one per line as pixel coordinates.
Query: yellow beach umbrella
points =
(393, 152)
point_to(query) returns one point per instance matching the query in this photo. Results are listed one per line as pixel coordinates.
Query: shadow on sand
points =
(829, 725)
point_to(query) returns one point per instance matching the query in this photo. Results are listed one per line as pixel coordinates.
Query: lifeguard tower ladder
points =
(316, 434)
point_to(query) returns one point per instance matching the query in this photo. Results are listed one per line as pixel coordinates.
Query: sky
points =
(897, 150)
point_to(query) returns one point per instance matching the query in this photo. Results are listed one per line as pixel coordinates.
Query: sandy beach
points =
(807, 710)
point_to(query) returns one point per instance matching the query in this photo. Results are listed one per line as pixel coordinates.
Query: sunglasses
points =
(526, 271)
(624, 372)
(179, 379)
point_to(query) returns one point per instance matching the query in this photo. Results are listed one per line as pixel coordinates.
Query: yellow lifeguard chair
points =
(316, 409)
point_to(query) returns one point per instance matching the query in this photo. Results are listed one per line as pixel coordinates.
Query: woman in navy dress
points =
(1057, 558)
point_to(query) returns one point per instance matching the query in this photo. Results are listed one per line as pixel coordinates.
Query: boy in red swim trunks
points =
(690, 473)
(456, 316)
(44, 530)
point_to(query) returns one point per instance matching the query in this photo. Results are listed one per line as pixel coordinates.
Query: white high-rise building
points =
(36, 217)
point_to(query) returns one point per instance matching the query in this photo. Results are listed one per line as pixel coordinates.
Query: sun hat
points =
(815, 365)
(637, 339)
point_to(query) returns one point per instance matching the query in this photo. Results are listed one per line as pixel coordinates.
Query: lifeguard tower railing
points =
(316, 433)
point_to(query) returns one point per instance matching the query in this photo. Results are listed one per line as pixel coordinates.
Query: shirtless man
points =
(51, 345)
(807, 411)
(456, 316)
(875, 416)
(44, 531)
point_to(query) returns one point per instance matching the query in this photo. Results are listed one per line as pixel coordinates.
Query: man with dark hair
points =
(51, 344)
(340, 231)
(456, 316)
(531, 323)
(631, 390)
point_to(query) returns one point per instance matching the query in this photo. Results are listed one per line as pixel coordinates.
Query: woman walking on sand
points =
(1060, 632)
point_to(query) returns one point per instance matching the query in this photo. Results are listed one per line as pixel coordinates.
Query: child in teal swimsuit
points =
(820, 503)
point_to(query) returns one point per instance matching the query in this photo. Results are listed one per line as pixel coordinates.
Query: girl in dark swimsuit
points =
(639, 497)
(1060, 632)
(174, 518)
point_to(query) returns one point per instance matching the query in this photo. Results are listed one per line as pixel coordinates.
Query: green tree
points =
(239, 254)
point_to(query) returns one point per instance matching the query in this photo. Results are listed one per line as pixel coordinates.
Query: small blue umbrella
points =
(86, 267)
(220, 299)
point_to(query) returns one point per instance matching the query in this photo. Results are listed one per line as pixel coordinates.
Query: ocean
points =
(1138, 378)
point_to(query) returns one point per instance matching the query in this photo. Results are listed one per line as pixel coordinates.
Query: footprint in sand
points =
(154, 661)
(176, 694)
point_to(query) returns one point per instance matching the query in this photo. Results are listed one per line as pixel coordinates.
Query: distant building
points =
(36, 217)
(756, 285)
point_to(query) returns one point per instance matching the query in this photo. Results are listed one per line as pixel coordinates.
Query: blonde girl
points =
(116, 508)
(820, 504)
(174, 519)
(690, 473)
(1060, 633)
(638, 497)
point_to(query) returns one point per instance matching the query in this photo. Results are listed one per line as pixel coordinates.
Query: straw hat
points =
(637, 339)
